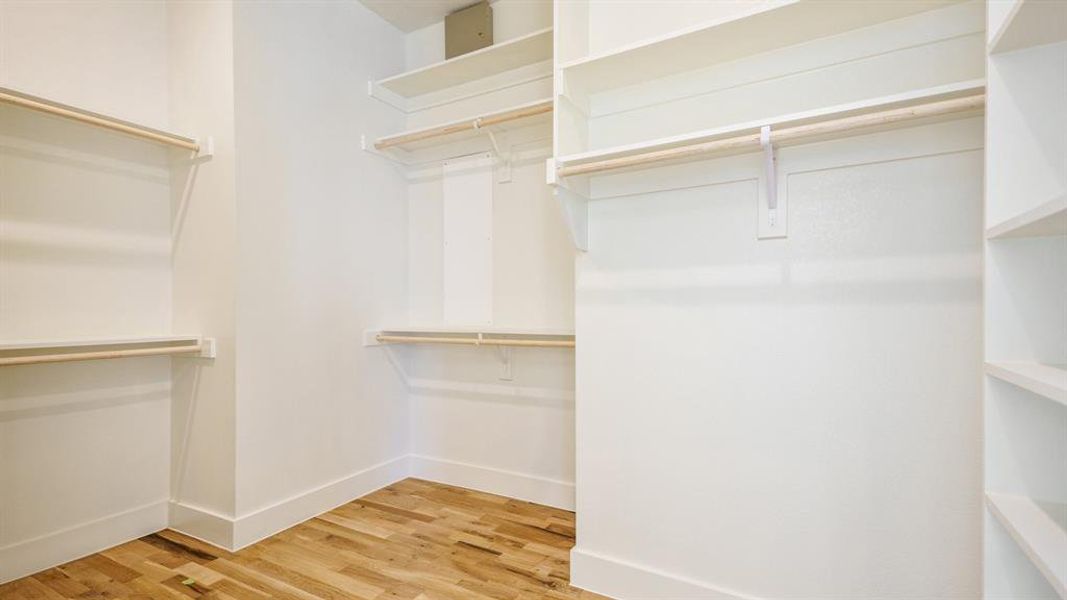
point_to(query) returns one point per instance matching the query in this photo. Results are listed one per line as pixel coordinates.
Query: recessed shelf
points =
(941, 93)
(44, 105)
(1049, 381)
(1040, 530)
(521, 115)
(525, 50)
(26, 352)
(470, 336)
(1031, 23)
(1048, 219)
(759, 30)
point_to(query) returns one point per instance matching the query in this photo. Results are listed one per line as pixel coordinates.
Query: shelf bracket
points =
(208, 348)
(574, 207)
(772, 214)
(206, 149)
(504, 174)
(505, 358)
(369, 148)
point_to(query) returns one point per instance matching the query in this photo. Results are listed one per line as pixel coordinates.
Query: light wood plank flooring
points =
(413, 540)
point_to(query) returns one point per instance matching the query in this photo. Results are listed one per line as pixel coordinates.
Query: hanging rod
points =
(204, 348)
(795, 134)
(10, 96)
(487, 120)
(472, 341)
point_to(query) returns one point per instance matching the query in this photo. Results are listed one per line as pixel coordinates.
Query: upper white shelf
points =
(1049, 381)
(1040, 530)
(1048, 219)
(525, 50)
(767, 26)
(1031, 23)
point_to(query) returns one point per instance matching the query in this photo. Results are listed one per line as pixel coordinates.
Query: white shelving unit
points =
(523, 51)
(25, 352)
(1026, 300)
(1040, 530)
(1030, 23)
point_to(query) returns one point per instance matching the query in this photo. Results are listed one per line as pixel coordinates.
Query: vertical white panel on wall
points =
(467, 200)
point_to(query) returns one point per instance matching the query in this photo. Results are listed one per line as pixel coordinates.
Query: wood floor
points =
(413, 540)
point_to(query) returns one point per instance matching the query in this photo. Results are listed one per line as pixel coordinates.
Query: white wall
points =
(796, 417)
(84, 251)
(322, 256)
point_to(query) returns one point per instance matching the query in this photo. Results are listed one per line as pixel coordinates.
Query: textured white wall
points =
(322, 251)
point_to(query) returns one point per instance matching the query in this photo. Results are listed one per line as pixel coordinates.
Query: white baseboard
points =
(202, 524)
(31, 556)
(28, 557)
(541, 490)
(628, 581)
(265, 522)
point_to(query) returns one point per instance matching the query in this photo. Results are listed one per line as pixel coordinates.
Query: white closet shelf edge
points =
(1039, 530)
(1045, 380)
(1047, 219)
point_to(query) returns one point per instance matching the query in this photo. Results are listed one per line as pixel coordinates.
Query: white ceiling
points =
(409, 15)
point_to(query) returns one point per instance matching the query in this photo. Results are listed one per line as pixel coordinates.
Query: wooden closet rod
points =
(411, 339)
(99, 355)
(82, 116)
(795, 134)
(472, 124)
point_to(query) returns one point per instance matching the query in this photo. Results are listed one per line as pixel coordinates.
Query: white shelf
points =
(934, 94)
(525, 50)
(766, 27)
(1031, 23)
(57, 344)
(1049, 381)
(527, 114)
(1048, 219)
(470, 335)
(440, 329)
(24, 352)
(1040, 529)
